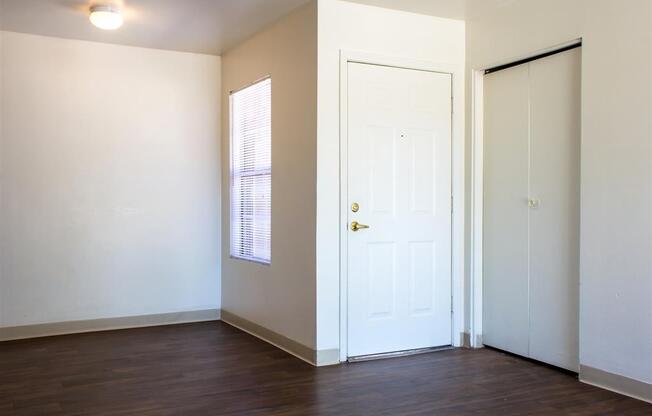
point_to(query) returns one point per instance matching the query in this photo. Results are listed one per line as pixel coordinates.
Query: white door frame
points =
(457, 177)
(477, 187)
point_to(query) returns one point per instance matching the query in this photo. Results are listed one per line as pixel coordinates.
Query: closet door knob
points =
(533, 203)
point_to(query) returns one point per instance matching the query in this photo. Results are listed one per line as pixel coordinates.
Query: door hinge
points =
(452, 203)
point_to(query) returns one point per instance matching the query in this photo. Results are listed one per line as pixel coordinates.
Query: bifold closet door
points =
(554, 225)
(505, 248)
(531, 209)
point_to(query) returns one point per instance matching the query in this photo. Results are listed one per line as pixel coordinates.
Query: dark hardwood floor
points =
(214, 369)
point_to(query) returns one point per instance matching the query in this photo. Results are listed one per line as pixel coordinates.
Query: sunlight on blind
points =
(251, 172)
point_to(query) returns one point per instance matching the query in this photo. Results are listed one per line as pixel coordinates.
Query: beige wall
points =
(109, 181)
(279, 297)
(616, 213)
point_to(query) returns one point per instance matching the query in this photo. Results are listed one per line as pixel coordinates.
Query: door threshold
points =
(397, 354)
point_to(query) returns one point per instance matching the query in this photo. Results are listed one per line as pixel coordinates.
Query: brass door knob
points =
(356, 226)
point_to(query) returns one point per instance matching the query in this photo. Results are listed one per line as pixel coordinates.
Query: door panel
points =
(420, 273)
(382, 175)
(422, 190)
(555, 179)
(505, 248)
(399, 169)
(382, 280)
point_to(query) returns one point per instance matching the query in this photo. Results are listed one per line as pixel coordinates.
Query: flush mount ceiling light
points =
(106, 17)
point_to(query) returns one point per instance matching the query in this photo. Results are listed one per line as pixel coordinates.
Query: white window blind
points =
(251, 172)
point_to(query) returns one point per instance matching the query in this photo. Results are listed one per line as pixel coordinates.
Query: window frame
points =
(232, 255)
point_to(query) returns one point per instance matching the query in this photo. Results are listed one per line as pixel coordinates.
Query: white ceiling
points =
(451, 9)
(203, 26)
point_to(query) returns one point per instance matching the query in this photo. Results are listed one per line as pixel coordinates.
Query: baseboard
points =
(465, 340)
(616, 383)
(328, 357)
(303, 352)
(106, 324)
(478, 341)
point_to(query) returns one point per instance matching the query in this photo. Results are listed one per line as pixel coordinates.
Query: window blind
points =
(251, 172)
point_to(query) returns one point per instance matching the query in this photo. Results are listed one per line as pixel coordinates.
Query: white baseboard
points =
(303, 352)
(106, 324)
(616, 383)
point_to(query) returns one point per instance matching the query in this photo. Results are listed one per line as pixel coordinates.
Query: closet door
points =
(505, 248)
(531, 209)
(554, 223)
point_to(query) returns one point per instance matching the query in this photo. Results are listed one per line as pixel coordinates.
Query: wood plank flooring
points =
(214, 369)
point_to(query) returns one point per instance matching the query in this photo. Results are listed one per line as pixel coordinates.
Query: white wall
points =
(109, 181)
(280, 297)
(616, 230)
(355, 27)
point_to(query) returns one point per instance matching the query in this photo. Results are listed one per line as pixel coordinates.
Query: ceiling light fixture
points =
(106, 17)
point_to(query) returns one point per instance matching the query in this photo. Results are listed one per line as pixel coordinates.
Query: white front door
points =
(399, 184)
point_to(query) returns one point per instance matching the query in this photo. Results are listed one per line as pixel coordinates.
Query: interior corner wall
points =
(109, 181)
(345, 26)
(279, 297)
(616, 172)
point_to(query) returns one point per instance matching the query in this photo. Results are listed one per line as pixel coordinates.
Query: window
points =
(251, 172)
